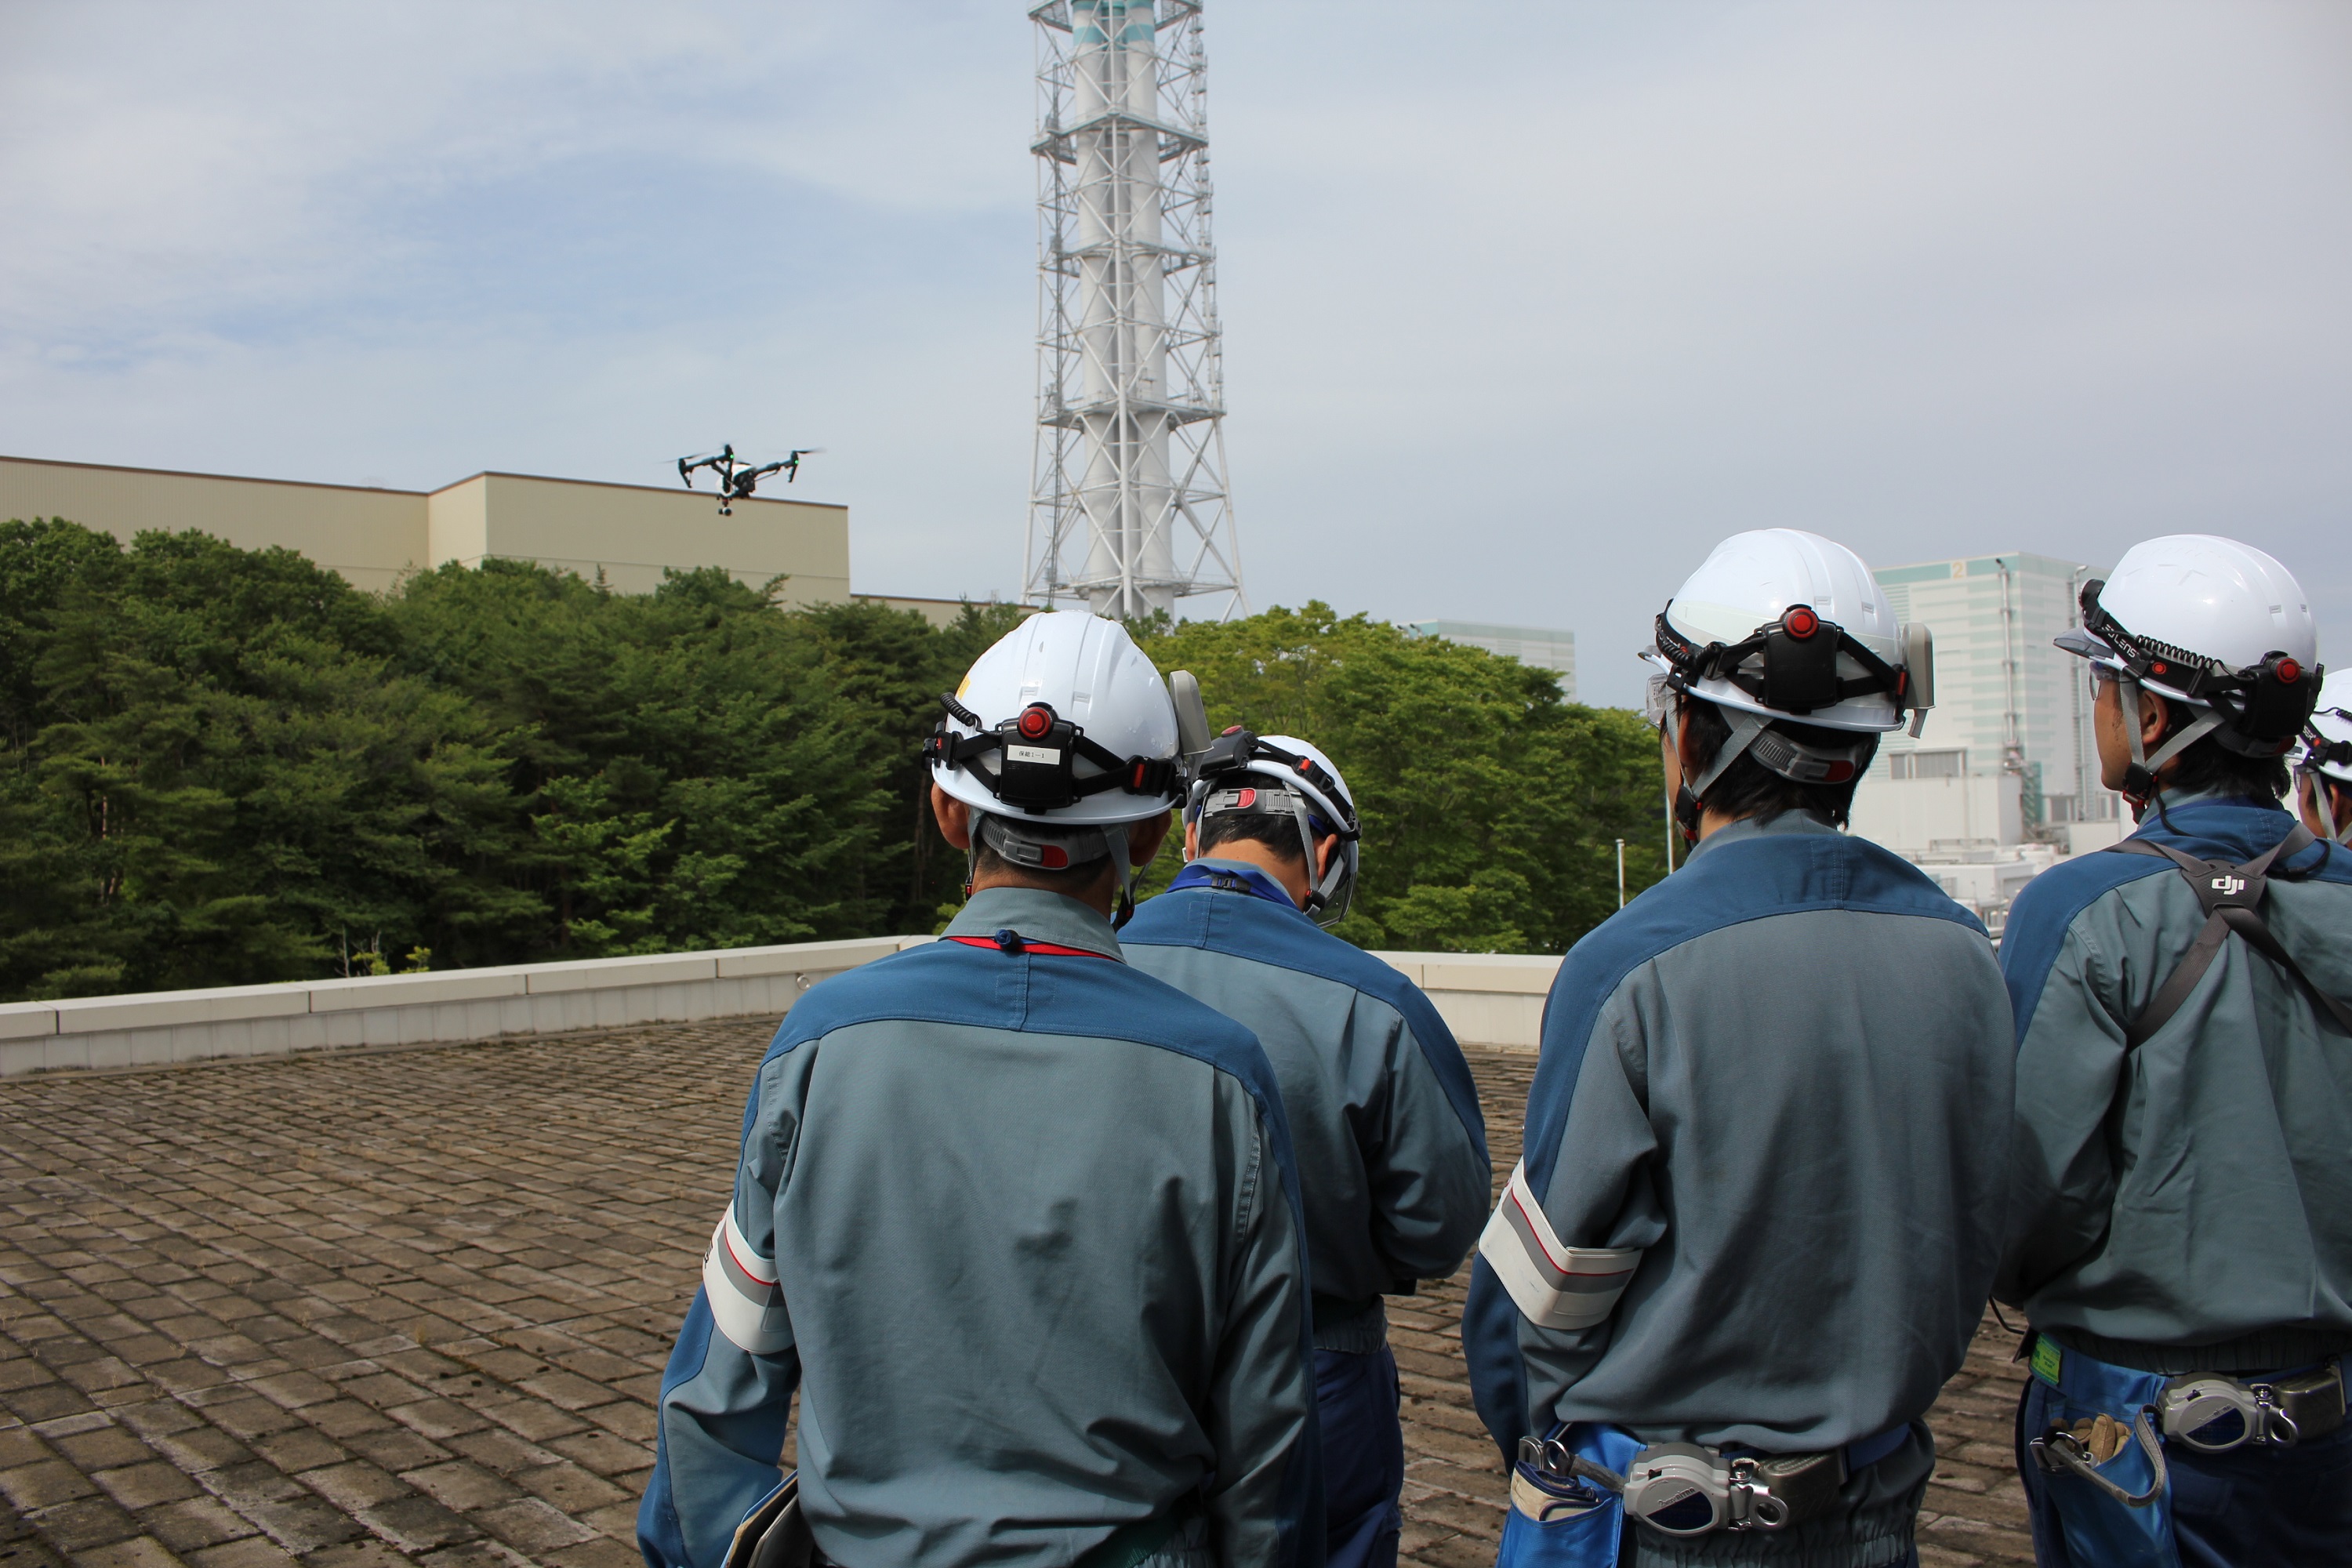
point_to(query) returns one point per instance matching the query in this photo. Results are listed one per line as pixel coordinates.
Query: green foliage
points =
(1491, 806)
(221, 766)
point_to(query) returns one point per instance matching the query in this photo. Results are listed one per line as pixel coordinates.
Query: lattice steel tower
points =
(1128, 511)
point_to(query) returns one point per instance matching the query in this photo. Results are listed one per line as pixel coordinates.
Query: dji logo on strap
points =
(2229, 887)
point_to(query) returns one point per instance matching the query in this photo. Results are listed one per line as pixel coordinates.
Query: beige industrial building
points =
(628, 533)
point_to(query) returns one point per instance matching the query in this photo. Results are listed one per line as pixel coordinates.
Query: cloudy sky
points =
(1526, 306)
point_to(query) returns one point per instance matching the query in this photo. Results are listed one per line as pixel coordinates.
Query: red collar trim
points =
(1049, 949)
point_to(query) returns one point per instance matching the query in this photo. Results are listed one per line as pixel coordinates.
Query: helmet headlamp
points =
(1036, 755)
(1788, 665)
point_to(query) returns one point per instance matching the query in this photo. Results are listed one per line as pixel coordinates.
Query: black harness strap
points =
(2232, 897)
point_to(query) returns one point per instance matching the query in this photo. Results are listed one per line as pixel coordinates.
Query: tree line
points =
(223, 766)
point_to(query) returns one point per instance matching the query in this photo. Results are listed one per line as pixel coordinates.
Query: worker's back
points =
(1383, 1117)
(2184, 1205)
(1030, 1216)
(1785, 1073)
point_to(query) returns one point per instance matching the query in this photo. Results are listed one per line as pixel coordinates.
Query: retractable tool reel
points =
(1689, 1489)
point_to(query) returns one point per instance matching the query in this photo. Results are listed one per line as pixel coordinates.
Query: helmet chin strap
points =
(1122, 860)
(2139, 779)
(2322, 802)
(1689, 800)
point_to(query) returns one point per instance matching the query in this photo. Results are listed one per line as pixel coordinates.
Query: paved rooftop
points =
(361, 1307)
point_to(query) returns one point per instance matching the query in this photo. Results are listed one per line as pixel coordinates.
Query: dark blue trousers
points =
(2250, 1508)
(1356, 1399)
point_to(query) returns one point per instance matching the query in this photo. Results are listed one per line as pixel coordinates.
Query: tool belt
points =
(2209, 1412)
(2214, 1413)
(775, 1535)
(1684, 1488)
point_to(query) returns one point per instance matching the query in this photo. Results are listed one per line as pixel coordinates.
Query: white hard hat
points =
(2211, 622)
(1062, 722)
(2212, 601)
(1244, 771)
(1276, 758)
(1780, 624)
(1788, 625)
(2328, 743)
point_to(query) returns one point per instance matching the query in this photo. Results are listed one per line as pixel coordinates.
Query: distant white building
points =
(2005, 781)
(1545, 649)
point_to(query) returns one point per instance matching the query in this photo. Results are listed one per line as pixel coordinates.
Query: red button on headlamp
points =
(2289, 672)
(1035, 720)
(1800, 622)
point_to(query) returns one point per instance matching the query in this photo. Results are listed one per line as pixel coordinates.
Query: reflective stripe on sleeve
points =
(1555, 1286)
(741, 1287)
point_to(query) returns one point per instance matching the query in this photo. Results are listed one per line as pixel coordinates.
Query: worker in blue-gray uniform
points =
(1019, 1222)
(2180, 1226)
(1391, 1148)
(1759, 1209)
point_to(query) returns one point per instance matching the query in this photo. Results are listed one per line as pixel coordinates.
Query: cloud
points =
(1524, 308)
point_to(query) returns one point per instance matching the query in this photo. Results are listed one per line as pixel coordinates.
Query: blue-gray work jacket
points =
(1383, 1115)
(1781, 1075)
(1020, 1228)
(2185, 1206)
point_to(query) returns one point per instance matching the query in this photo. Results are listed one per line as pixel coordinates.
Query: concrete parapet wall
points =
(1491, 999)
(1488, 1000)
(163, 1027)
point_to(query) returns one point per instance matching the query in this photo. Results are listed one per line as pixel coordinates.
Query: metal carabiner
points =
(2271, 1424)
(1751, 1505)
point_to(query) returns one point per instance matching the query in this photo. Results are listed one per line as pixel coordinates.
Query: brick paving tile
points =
(361, 1310)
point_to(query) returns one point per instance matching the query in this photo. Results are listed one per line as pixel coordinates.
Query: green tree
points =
(218, 778)
(1490, 806)
(220, 765)
(698, 768)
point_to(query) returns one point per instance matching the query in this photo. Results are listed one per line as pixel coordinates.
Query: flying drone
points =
(737, 478)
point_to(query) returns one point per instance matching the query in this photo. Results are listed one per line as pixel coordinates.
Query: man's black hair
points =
(1749, 788)
(1279, 833)
(2209, 767)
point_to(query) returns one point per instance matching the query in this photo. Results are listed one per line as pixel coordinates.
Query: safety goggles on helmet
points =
(1243, 773)
(2259, 709)
(1030, 760)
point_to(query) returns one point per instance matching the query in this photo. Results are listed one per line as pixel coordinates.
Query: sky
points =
(1526, 307)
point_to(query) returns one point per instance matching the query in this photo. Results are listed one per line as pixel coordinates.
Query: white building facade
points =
(2005, 780)
(1546, 648)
